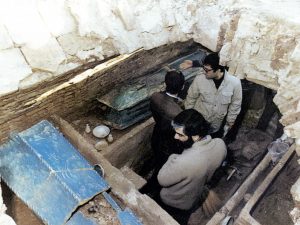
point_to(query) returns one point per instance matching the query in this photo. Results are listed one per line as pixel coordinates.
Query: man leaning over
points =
(184, 176)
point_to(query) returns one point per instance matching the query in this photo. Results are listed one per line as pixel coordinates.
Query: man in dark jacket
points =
(164, 106)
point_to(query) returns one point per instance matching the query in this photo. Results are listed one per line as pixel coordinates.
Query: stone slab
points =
(137, 180)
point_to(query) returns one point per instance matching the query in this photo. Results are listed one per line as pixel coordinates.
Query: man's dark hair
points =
(174, 81)
(193, 123)
(213, 60)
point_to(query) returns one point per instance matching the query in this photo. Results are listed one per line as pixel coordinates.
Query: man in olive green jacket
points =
(215, 93)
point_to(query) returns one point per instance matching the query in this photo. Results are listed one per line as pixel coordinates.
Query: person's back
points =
(164, 107)
(184, 176)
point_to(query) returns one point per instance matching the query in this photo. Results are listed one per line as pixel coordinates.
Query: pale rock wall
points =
(41, 39)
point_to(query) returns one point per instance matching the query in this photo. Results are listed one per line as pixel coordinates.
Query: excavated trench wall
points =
(77, 90)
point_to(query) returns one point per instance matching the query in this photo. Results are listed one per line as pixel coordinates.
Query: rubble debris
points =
(110, 138)
(249, 144)
(87, 129)
(101, 145)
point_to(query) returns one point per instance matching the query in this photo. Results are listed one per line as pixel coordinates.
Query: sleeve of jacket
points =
(235, 105)
(170, 173)
(193, 94)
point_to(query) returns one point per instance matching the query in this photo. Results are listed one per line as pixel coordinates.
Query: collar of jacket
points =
(226, 76)
(204, 141)
(225, 80)
(174, 96)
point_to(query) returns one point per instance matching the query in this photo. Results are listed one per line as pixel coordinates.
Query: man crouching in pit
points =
(184, 175)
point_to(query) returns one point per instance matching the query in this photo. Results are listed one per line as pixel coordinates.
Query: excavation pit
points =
(130, 150)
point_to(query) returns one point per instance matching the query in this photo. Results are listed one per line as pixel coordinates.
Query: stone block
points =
(51, 53)
(149, 18)
(137, 180)
(260, 48)
(13, 68)
(168, 17)
(124, 11)
(201, 30)
(176, 35)
(90, 55)
(295, 191)
(66, 67)
(72, 43)
(5, 39)
(129, 42)
(34, 78)
(24, 23)
(293, 130)
(94, 18)
(290, 117)
(150, 41)
(295, 215)
(57, 17)
(295, 57)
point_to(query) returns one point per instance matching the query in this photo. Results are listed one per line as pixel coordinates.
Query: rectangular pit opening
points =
(131, 146)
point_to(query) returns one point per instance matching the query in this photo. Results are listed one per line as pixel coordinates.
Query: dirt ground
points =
(277, 202)
(100, 210)
(274, 208)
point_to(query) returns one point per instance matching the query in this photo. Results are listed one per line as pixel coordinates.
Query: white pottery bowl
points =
(101, 131)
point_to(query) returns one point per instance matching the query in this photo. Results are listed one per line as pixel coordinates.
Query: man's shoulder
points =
(232, 78)
(220, 144)
(156, 98)
(219, 141)
(161, 96)
(200, 77)
(157, 95)
(165, 104)
(201, 74)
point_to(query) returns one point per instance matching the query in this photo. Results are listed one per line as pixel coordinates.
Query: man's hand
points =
(227, 127)
(186, 64)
